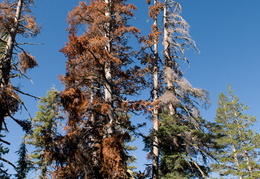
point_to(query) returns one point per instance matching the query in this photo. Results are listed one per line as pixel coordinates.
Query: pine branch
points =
(7, 161)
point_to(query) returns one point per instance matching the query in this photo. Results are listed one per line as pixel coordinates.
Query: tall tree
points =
(99, 79)
(15, 20)
(152, 60)
(24, 164)
(46, 128)
(180, 117)
(239, 158)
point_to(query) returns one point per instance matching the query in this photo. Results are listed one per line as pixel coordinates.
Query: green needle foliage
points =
(45, 130)
(239, 157)
(3, 150)
(24, 165)
(185, 147)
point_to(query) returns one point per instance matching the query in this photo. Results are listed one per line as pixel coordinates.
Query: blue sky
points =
(226, 33)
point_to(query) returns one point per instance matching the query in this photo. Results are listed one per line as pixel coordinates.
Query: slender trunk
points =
(5, 61)
(107, 67)
(169, 62)
(92, 98)
(245, 152)
(249, 167)
(155, 169)
(236, 159)
(6, 58)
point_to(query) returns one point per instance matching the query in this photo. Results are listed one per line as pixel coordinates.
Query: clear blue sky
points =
(226, 33)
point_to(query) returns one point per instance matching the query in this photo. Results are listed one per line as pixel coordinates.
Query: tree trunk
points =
(155, 169)
(236, 159)
(5, 61)
(7, 56)
(169, 62)
(249, 167)
(107, 67)
(245, 152)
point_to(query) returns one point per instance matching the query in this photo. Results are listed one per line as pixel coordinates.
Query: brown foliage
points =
(155, 9)
(74, 102)
(154, 35)
(9, 103)
(99, 63)
(113, 158)
(27, 25)
(27, 61)
(14, 20)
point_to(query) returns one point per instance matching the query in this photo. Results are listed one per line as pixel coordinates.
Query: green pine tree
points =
(45, 130)
(24, 164)
(183, 142)
(239, 157)
(4, 150)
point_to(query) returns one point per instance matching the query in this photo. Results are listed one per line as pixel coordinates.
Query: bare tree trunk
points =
(7, 56)
(107, 67)
(5, 61)
(169, 62)
(155, 169)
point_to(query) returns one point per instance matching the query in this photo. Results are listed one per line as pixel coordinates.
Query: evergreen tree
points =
(24, 164)
(99, 79)
(185, 147)
(175, 150)
(4, 150)
(45, 131)
(239, 158)
(15, 20)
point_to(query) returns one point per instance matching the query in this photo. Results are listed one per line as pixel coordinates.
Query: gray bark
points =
(107, 67)
(169, 62)
(7, 56)
(155, 170)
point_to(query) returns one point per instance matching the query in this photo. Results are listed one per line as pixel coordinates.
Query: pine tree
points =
(45, 131)
(239, 157)
(152, 60)
(185, 147)
(24, 164)
(4, 150)
(15, 20)
(99, 79)
(175, 98)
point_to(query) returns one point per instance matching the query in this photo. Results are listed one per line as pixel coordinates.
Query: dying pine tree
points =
(99, 79)
(152, 61)
(16, 20)
(180, 134)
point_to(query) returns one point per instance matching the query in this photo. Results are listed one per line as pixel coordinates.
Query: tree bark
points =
(5, 61)
(236, 159)
(107, 67)
(169, 62)
(155, 169)
(7, 56)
